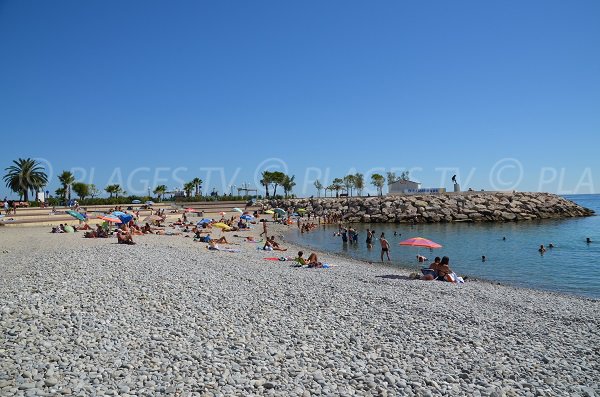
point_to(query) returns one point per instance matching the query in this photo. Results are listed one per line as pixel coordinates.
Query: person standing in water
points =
(369, 239)
(385, 247)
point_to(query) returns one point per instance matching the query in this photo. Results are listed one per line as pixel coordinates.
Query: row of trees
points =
(277, 178)
(27, 175)
(357, 181)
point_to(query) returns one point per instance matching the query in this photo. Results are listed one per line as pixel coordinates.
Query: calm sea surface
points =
(572, 267)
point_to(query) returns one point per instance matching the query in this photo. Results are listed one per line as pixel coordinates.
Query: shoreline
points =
(468, 278)
(168, 316)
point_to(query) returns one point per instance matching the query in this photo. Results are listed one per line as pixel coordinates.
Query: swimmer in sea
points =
(542, 249)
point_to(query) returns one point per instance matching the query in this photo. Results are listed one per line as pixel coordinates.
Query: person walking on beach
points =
(264, 228)
(385, 247)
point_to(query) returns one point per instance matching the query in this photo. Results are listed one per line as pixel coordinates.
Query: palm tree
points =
(288, 184)
(378, 181)
(349, 183)
(319, 187)
(188, 188)
(359, 182)
(66, 180)
(405, 176)
(25, 175)
(113, 189)
(337, 185)
(197, 185)
(160, 190)
(61, 193)
(266, 180)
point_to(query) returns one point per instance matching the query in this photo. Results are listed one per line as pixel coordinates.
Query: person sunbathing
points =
(221, 240)
(444, 273)
(301, 261)
(146, 228)
(212, 245)
(431, 272)
(136, 231)
(275, 245)
(313, 261)
(124, 237)
(101, 232)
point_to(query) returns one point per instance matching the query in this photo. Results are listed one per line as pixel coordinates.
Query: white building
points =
(403, 186)
(411, 187)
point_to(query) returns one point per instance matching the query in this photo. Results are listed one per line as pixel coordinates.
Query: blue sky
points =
(504, 94)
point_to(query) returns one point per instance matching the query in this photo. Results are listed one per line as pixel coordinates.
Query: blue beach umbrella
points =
(125, 218)
(76, 215)
(118, 213)
(203, 221)
(247, 217)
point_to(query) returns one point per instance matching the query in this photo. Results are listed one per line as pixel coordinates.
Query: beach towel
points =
(223, 249)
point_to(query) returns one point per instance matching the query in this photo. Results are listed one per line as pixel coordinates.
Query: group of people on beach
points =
(440, 270)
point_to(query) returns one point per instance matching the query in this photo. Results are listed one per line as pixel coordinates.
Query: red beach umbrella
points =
(420, 242)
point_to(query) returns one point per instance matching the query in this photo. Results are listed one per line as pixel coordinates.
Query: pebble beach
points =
(89, 317)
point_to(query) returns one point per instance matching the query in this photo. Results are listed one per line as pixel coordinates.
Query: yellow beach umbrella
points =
(221, 225)
(270, 212)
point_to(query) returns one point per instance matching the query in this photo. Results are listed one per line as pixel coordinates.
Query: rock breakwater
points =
(467, 207)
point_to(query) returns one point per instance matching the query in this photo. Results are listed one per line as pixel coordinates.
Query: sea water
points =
(511, 249)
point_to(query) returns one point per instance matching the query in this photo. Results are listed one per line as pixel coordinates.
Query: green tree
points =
(188, 188)
(359, 182)
(277, 179)
(391, 177)
(61, 193)
(319, 187)
(160, 190)
(24, 176)
(349, 184)
(404, 176)
(267, 178)
(197, 185)
(82, 190)
(66, 180)
(337, 185)
(93, 191)
(378, 181)
(288, 184)
(113, 189)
